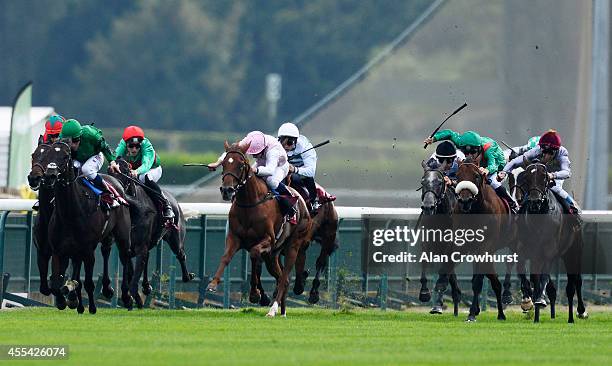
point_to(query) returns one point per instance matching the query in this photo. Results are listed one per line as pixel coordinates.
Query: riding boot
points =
(286, 201)
(167, 211)
(569, 206)
(106, 197)
(310, 185)
(503, 193)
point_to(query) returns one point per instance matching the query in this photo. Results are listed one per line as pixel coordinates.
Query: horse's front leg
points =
(107, 289)
(232, 244)
(507, 294)
(424, 293)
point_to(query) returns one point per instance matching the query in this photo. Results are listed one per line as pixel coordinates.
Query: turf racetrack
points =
(308, 337)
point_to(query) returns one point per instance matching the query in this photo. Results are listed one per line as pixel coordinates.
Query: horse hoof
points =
(138, 300)
(92, 309)
(471, 319)
(45, 290)
(313, 298)
(425, 296)
(436, 310)
(254, 297)
(128, 302)
(147, 289)
(60, 303)
(211, 288)
(298, 289)
(478, 311)
(526, 304)
(540, 302)
(273, 310)
(73, 303)
(501, 316)
(64, 290)
(507, 298)
(80, 309)
(190, 276)
(584, 315)
(265, 300)
(108, 292)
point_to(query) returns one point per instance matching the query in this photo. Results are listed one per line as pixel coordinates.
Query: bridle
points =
(65, 182)
(537, 189)
(243, 175)
(479, 180)
(440, 196)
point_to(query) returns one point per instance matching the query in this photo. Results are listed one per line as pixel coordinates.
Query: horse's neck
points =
(447, 202)
(254, 190)
(67, 201)
(44, 198)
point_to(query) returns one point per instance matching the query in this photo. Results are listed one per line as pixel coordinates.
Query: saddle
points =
(322, 195)
(114, 199)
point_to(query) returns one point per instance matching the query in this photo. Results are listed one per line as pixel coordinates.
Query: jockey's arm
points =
(495, 158)
(272, 158)
(105, 149)
(565, 170)
(121, 149)
(516, 162)
(447, 135)
(148, 157)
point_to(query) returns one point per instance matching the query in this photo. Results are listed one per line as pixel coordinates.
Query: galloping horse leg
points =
(254, 292)
(526, 302)
(551, 292)
(140, 258)
(326, 251)
(146, 285)
(456, 293)
(231, 246)
(538, 292)
(107, 289)
(70, 288)
(424, 293)
(43, 268)
(58, 268)
(476, 289)
(176, 240)
(581, 310)
(440, 289)
(283, 281)
(497, 289)
(89, 285)
(507, 294)
(300, 274)
(570, 289)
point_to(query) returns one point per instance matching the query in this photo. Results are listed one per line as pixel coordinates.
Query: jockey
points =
(138, 151)
(88, 152)
(270, 164)
(520, 150)
(53, 127)
(302, 165)
(549, 151)
(446, 158)
(473, 146)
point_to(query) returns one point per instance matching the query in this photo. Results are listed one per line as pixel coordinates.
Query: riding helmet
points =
(550, 139)
(133, 132)
(446, 149)
(288, 129)
(71, 129)
(54, 124)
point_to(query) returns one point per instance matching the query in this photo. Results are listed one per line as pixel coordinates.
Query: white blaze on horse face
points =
(533, 170)
(230, 160)
(57, 149)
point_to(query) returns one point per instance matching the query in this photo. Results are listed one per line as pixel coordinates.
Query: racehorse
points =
(40, 230)
(256, 224)
(148, 229)
(548, 234)
(475, 196)
(437, 202)
(78, 224)
(324, 229)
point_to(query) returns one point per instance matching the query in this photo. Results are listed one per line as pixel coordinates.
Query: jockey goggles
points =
(548, 149)
(288, 140)
(442, 159)
(470, 149)
(133, 146)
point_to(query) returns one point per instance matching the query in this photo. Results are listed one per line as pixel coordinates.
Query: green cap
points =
(72, 129)
(470, 138)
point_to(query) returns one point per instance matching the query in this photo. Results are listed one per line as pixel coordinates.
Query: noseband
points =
(438, 197)
(546, 183)
(479, 181)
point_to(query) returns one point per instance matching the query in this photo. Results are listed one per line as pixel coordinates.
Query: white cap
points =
(288, 129)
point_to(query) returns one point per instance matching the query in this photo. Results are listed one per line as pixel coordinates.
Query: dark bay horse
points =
(324, 228)
(475, 196)
(41, 230)
(148, 229)
(437, 203)
(78, 224)
(548, 234)
(256, 224)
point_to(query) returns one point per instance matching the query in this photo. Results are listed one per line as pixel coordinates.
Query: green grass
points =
(309, 337)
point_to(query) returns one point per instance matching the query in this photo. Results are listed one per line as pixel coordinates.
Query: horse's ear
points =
(226, 145)
(244, 148)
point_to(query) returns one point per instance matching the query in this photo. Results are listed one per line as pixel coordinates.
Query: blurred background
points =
(375, 77)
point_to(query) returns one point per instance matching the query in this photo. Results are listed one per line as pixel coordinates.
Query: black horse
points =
(78, 224)
(148, 228)
(548, 234)
(437, 202)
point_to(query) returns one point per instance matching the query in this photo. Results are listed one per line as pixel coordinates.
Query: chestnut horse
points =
(256, 224)
(475, 196)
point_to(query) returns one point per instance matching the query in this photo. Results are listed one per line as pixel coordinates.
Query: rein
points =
(242, 179)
